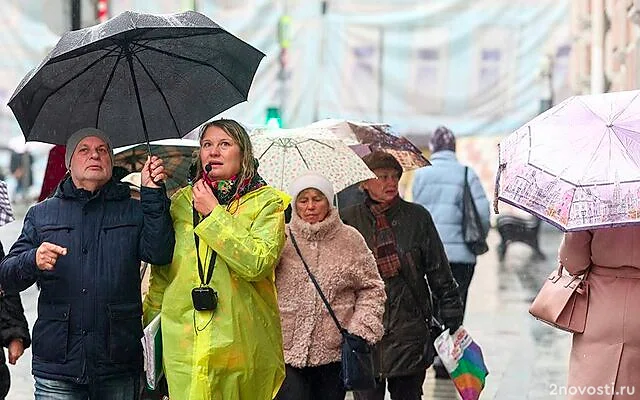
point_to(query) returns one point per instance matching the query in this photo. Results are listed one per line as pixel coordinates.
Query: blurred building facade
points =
(606, 45)
(473, 66)
(481, 68)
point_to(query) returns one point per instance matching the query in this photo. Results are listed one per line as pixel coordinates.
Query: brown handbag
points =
(563, 301)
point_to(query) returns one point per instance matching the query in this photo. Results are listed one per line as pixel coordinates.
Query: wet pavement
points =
(526, 358)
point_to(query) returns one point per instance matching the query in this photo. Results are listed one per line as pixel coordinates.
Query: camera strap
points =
(212, 260)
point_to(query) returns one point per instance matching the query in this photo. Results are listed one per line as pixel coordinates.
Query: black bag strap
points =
(315, 283)
(212, 260)
(466, 178)
(467, 189)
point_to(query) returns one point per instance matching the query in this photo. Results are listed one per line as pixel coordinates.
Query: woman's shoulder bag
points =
(563, 301)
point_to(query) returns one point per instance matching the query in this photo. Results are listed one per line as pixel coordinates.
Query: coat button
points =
(84, 332)
(84, 250)
(84, 290)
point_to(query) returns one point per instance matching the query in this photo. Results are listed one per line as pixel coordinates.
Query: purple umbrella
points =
(576, 165)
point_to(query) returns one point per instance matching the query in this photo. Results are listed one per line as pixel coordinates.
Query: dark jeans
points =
(463, 273)
(407, 387)
(119, 388)
(312, 383)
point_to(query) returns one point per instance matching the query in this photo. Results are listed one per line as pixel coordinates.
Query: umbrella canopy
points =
(137, 77)
(284, 154)
(576, 165)
(177, 155)
(366, 137)
(6, 212)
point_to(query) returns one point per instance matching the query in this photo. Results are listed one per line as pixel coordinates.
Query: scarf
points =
(225, 189)
(386, 250)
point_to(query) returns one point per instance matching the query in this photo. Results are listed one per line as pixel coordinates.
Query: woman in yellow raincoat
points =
(233, 349)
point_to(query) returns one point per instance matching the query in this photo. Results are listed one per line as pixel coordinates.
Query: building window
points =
(489, 68)
(361, 89)
(231, 5)
(428, 67)
(494, 66)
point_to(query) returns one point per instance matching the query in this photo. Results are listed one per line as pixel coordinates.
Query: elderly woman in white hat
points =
(346, 271)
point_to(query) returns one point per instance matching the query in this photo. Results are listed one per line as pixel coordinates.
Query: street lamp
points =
(546, 76)
(274, 116)
(75, 15)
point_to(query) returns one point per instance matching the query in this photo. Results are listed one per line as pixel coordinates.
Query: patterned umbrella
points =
(286, 153)
(576, 165)
(367, 137)
(6, 212)
(177, 155)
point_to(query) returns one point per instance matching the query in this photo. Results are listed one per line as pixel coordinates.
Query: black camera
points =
(204, 298)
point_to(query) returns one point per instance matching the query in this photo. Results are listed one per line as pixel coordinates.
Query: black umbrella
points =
(137, 77)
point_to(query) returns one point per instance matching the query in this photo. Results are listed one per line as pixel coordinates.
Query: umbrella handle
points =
(496, 187)
(161, 184)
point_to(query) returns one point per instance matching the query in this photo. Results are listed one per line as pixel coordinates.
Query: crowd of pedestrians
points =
(239, 290)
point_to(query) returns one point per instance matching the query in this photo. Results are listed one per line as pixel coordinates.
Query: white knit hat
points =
(311, 179)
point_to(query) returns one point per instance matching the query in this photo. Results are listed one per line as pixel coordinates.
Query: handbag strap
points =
(585, 274)
(316, 284)
(466, 177)
(466, 188)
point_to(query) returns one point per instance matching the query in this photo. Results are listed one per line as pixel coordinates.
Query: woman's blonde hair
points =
(241, 137)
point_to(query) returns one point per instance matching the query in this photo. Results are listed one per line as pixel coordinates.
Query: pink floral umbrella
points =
(576, 165)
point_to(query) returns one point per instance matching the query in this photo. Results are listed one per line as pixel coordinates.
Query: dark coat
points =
(406, 348)
(13, 325)
(350, 196)
(89, 310)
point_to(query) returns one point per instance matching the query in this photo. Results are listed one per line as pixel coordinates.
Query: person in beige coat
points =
(605, 359)
(347, 273)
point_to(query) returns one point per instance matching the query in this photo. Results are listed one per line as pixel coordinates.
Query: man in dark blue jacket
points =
(83, 247)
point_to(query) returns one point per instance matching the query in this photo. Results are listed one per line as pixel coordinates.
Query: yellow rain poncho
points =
(234, 352)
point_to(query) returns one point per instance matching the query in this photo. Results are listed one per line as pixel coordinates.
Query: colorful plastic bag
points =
(462, 357)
